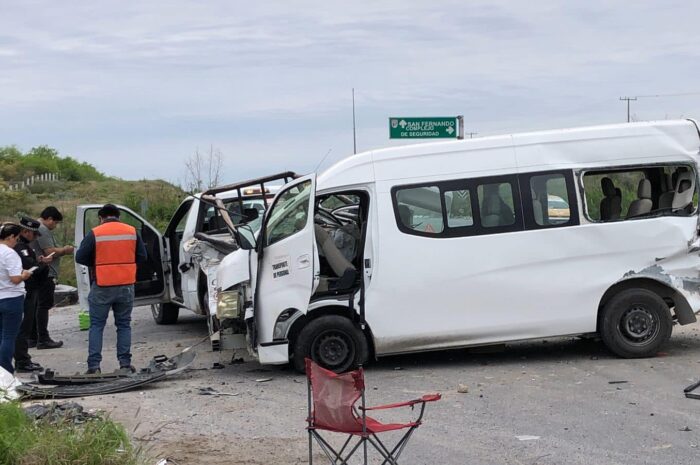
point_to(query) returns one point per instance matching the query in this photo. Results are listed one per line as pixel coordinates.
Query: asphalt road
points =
(543, 402)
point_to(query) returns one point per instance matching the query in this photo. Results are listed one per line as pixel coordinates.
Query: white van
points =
(180, 260)
(473, 242)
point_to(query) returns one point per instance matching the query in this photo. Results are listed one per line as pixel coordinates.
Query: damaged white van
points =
(474, 242)
(181, 260)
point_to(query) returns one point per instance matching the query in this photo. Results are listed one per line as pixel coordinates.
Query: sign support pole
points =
(460, 122)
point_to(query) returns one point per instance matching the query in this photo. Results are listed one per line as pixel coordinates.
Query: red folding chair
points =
(332, 398)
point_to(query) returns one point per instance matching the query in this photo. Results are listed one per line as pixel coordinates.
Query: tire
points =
(635, 323)
(165, 314)
(332, 341)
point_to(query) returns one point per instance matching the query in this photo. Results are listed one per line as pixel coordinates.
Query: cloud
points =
(128, 86)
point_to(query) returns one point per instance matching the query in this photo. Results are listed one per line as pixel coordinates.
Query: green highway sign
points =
(439, 127)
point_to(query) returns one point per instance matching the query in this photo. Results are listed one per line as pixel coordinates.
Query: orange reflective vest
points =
(115, 254)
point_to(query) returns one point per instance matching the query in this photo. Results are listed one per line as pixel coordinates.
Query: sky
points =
(135, 88)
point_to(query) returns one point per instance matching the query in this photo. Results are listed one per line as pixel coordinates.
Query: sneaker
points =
(28, 367)
(31, 343)
(93, 371)
(49, 344)
(128, 368)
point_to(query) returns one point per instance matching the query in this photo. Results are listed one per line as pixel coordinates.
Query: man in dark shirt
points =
(40, 274)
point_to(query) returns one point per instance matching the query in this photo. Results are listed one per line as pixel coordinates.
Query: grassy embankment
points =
(96, 442)
(154, 200)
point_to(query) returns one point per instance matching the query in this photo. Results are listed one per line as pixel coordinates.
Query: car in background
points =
(557, 209)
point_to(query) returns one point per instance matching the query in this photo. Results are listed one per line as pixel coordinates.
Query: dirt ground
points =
(543, 402)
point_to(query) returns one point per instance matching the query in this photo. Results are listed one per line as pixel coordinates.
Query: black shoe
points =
(31, 343)
(128, 368)
(49, 344)
(93, 371)
(28, 367)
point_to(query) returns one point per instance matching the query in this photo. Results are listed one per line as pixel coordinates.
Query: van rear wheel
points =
(332, 341)
(165, 313)
(635, 323)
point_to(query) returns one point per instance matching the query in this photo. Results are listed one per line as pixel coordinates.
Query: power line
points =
(628, 99)
(628, 105)
(684, 94)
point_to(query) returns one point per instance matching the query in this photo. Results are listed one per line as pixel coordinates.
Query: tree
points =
(203, 170)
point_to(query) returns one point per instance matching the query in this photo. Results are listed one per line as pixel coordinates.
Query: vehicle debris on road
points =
(55, 413)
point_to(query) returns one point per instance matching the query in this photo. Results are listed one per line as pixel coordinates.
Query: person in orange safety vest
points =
(112, 250)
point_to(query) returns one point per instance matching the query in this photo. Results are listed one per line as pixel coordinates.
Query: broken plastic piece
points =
(689, 391)
(156, 371)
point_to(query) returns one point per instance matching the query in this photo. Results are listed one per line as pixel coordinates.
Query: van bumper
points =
(274, 353)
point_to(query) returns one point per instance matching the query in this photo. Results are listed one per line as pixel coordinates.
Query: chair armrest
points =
(410, 403)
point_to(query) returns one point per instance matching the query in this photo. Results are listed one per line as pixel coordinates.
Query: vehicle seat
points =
(340, 265)
(666, 198)
(406, 215)
(683, 194)
(643, 204)
(495, 212)
(537, 208)
(611, 204)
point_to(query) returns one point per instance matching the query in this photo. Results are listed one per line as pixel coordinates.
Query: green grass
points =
(96, 442)
(155, 200)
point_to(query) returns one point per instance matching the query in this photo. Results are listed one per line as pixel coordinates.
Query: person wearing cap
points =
(112, 250)
(40, 274)
(12, 278)
(46, 245)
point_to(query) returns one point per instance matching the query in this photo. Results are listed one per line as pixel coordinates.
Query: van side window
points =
(496, 204)
(550, 199)
(420, 209)
(459, 208)
(638, 192)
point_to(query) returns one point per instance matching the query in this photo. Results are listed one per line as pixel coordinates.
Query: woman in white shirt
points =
(12, 278)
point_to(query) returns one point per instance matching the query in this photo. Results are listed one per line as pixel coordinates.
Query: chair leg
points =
(364, 443)
(382, 450)
(327, 449)
(311, 445)
(395, 453)
(330, 452)
(400, 446)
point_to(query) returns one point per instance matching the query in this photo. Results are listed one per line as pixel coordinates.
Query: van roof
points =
(591, 146)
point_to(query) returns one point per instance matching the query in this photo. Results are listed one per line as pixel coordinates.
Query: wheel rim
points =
(154, 311)
(639, 326)
(334, 350)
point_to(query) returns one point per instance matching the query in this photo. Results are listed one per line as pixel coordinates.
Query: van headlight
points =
(227, 305)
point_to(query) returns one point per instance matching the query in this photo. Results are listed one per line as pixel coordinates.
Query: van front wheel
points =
(635, 323)
(333, 342)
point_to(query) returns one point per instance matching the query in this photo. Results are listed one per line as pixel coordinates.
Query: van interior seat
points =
(666, 197)
(643, 204)
(406, 215)
(495, 212)
(537, 208)
(611, 204)
(340, 265)
(683, 193)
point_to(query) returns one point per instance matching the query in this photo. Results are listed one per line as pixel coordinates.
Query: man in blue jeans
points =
(112, 250)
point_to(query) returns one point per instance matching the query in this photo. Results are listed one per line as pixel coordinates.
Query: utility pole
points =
(628, 105)
(472, 134)
(354, 135)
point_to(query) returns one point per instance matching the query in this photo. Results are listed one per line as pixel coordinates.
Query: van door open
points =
(286, 259)
(151, 286)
